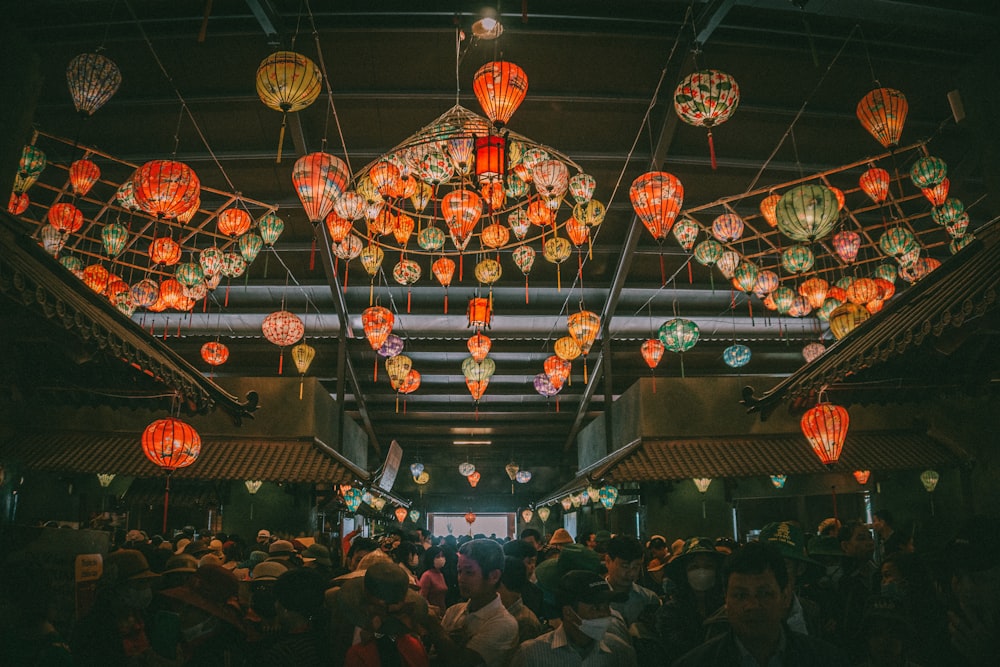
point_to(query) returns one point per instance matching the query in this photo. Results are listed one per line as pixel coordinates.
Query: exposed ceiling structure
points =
(601, 82)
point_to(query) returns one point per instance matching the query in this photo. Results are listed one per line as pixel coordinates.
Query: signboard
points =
(391, 467)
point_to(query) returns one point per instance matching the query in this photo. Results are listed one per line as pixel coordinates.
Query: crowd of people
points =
(844, 594)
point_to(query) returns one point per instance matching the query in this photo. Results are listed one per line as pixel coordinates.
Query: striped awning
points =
(279, 460)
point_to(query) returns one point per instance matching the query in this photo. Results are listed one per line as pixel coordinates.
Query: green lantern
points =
(30, 168)
(948, 212)
(477, 371)
(686, 231)
(928, 172)
(783, 298)
(745, 276)
(114, 237)
(189, 273)
(807, 213)
(797, 259)
(430, 238)
(250, 245)
(708, 252)
(897, 241)
(679, 335)
(270, 227)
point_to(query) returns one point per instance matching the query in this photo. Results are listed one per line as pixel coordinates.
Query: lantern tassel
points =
(557, 404)
(461, 263)
(409, 293)
(397, 402)
(690, 275)
(166, 503)
(281, 139)
(281, 362)
(526, 290)
(558, 278)
(446, 302)
(585, 380)
(312, 255)
(371, 293)
(375, 369)
(682, 365)
(301, 382)
(347, 271)
(663, 270)
(225, 303)
(711, 150)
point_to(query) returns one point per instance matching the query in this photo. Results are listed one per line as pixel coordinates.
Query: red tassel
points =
(446, 302)
(312, 255)
(281, 362)
(226, 301)
(375, 371)
(408, 295)
(557, 404)
(347, 270)
(663, 271)
(711, 150)
(204, 304)
(690, 275)
(526, 289)
(579, 266)
(460, 265)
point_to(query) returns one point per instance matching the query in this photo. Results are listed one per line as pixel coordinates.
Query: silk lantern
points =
(706, 99)
(500, 87)
(825, 427)
(288, 82)
(170, 444)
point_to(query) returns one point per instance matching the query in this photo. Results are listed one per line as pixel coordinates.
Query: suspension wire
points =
(329, 89)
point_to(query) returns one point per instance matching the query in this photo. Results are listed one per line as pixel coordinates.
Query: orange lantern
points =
(477, 387)
(862, 476)
(377, 323)
(338, 227)
(82, 176)
(495, 235)
(166, 188)
(96, 278)
(863, 290)
(402, 228)
(164, 250)
(214, 353)
(479, 346)
(401, 514)
(479, 313)
(65, 217)
(172, 293)
(170, 444)
(882, 112)
(18, 203)
(500, 87)
(814, 290)
(319, 179)
(470, 518)
(282, 328)
(444, 269)
(652, 352)
(938, 194)
(825, 427)
(557, 370)
(566, 348)
(657, 198)
(461, 210)
(234, 222)
(490, 158)
(583, 327)
(875, 183)
(474, 482)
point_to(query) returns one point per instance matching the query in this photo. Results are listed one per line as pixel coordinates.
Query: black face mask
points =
(262, 602)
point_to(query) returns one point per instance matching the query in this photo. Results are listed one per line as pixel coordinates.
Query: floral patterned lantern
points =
(768, 208)
(478, 370)
(705, 99)
(164, 250)
(339, 227)
(30, 167)
(270, 227)
(813, 351)
(377, 322)
(767, 282)
(352, 499)
(937, 194)
(875, 183)
(92, 79)
(557, 370)
(727, 263)
(474, 479)
(583, 327)
(18, 203)
(727, 228)
(652, 352)
(897, 242)
(882, 112)
(581, 187)
(797, 259)
(708, 252)
(814, 290)
(83, 174)
(657, 198)
(778, 481)
(825, 427)
(679, 335)
(545, 387)
(288, 82)
(319, 179)
(465, 469)
(527, 515)
(846, 244)
(745, 276)
(500, 87)
(608, 495)
(686, 232)
(392, 346)
(250, 246)
(736, 355)
(397, 368)
(166, 188)
(461, 210)
(443, 269)
(477, 387)
(928, 171)
(214, 353)
(145, 292)
(948, 212)
(807, 213)
(524, 258)
(282, 328)
(523, 476)
(479, 346)
(567, 348)
(862, 476)
(170, 444)
(406, 272)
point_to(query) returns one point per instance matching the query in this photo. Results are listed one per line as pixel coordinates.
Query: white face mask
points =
(595, 628)
(701, 579)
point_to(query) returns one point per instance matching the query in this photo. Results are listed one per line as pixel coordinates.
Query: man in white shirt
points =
(479, 631)
(624, 561)
(586, 636)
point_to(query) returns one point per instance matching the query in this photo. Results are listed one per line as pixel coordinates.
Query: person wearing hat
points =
(585, 636)
(178, 568)
(114, 631)
(680, 620)
(317, 558)
(284, 551)
(573, 557)
(559, 539)
(659, 553)
(263, 539)
(208, 619)
(378, 602)
(478, 631)
(757, 598)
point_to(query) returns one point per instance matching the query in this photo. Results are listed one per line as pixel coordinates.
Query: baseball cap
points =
(264, 533)
(586, 586)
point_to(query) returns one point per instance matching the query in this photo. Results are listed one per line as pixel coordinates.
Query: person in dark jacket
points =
(757, 600)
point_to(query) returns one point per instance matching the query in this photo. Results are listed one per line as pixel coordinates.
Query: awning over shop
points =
(666, 459)
(285, 460)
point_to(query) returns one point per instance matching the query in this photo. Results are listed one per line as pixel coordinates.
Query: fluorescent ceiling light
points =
(472, 442)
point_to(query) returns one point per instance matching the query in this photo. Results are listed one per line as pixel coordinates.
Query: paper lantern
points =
(797, 259)
(702, 483)
(807, 213)
(686, 232)
(349, 248)
(488, 271)
(474, 480)
(303, 355)
(897, 241)
(495, 236)
(591, 213)
(461, 210)
(65, 217)
(657, 198)
(708, 252)
(465, 469)
(745, 276)
(92, 79)
(608, 495)
(566, 348)
(767, 282)
(583, 327)
(422, 478)
(470, 518)
(814, 290)
(214, 353)
(500, 87)
(846, 244)
(928, 171)
(736, 355)
(377, 323)
(728, 262)
(479, 313)
(269, 227)
(652, 352)
(250, 246)
(705, 99)
(171, 444)
(825, 427)
(778, 481)
(882, 112)
(567, 503)
(527, 515)
(948, 212)
(813, 351)
(478, 370)
(30, 167)
(288, 82)
(479, 346)
(416, 469)
(557, 370)
(930, 479)
(543, 513)
(352, 499)
(581, 187)
(679, 335)
(523, 476)
(862, 476)
(401, 514)
(477, 387)
(18, 203)
(443, 269)
(319, 179)
(392, 346)
(282, 328)
(397, 367)
(164, 250)
(875, 183)
(937, 194)
(415, 515)
(727, 227)
(544, 386)
(83, 174)
(768, 209)
(166, 188)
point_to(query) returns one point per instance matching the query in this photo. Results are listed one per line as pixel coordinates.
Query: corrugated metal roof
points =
(286, 460)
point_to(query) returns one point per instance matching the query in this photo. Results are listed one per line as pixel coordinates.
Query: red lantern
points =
(234, 222)
(165, 188)
(657, 198)
(500, 88)
(82, 176)
(401, 514)
(96, 277)
(490, 163)
(825, 427)
(875, 183)
(282, 328)
(557, 370)
(470, 518)
(479, 346)
(461, 210)
(814, 290)
(319, 179)
(652, 352)
(480, 313)
(18, 203)
(164, 250)
(938, 194)
(862, 476)
(214, 353)
(170, 444)
(474, 482)
(444, 269)
(477, 387)
(377, 323)
(402, 227)
(65, 217)
(172, 293)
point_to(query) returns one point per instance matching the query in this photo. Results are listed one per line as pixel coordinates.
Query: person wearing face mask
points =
(114, 631)
(679, 623)
(432, 583)
(583, 637)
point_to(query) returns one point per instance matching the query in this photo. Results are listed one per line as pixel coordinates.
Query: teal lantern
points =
(958, 228)
(828, 306)
(807, 213)
(745, 276)
(114, 237)
(679, 335)
(736, 355)
(797, 259)
(352, 499)
(29, 169)
(778, 481)
(708, 252)
(608, 495)
(960, 242)
(430, 238)
(189, 273)
(948, 212)
(928, 172)
(250, 245)
(74, 265)
(269, 227)
(783, 297)
(897, 241)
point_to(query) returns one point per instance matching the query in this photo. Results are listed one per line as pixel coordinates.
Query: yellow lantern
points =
(288, 82)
